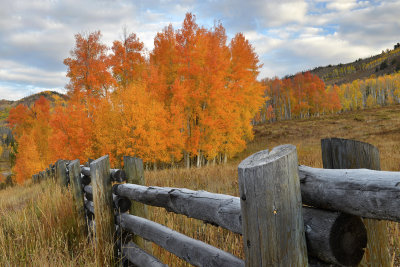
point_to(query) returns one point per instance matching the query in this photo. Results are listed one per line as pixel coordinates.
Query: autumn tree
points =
(127, 61)
(72, 135)
(134, 123)
(88, 67)
(196, 95)
(31, 130)
(245, 94)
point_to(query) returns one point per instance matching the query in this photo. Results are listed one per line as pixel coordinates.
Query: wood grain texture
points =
(88, 192)
(350, 154)
(216, 209)
(224, 211)
(90, 209)
(103, 209)
(191, 250)
(117, 175)
(133, 168)
(362, 192)
(77, 193)
(121, 203)
(139, 257)
(273, 225)
(61, 173)
(334, 237)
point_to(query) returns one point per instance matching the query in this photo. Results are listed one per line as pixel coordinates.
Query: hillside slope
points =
(6, 105)
(386, 62)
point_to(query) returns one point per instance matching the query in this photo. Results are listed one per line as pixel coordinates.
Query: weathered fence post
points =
(61, 173)
(350, 154)
(103, 210)
(270, 199)
(133, 168)
(77, 192)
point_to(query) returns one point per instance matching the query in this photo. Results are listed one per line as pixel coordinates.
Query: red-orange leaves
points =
(88, 67)
(194, 95)
(31, 130)
(127, 61)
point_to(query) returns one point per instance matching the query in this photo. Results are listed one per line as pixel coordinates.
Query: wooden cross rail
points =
(277, 230)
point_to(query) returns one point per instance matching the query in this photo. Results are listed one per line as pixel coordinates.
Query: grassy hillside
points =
(386, 62)
(43, 230)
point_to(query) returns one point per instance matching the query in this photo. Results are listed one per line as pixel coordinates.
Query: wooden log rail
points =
(138, 257)
(362, 192)
(225, 211)
(269, 180)
(191, 250)
(121, 203)
(116, 175)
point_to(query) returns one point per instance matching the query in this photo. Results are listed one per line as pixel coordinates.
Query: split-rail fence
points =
(288, 215)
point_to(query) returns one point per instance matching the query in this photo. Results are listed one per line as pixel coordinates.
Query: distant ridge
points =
(387, 62)
(6, 105)
(5, 133)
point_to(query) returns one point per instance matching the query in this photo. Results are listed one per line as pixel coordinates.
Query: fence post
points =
(270, 200)
(77, 192)
(350, 154)
(103, 210)
(61, 173)
(134, 170)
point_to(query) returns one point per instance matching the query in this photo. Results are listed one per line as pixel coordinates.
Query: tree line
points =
(306, 95)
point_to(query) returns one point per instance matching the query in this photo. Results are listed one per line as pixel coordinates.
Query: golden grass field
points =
(38, 225)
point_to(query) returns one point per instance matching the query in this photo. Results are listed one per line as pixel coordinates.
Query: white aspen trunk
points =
(199, 159)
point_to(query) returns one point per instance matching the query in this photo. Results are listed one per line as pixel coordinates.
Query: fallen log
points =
(224, 211)
(362, 192)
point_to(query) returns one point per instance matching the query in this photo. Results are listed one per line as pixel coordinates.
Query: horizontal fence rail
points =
(216, 209)
(321, 226)
(191, 250)
(336, 200)
(362, 192)
(139, 257)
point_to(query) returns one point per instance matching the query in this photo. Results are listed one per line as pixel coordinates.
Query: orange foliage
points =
(28, 161)
(88, 67)
(31, 130)
(195, 96)
(127, 61)
(301, 96)
(72, 132)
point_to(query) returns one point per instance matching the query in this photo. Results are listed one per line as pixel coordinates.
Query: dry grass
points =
(380, 127)
(38, 225)
(38, 228)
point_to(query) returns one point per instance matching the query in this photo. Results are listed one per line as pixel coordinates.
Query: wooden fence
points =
(277, 228)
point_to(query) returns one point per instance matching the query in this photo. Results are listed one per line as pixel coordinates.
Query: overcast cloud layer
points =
(288, 35)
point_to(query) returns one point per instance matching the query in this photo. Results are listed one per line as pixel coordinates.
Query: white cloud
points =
(288, 35)
(13, 72)
(341, 4)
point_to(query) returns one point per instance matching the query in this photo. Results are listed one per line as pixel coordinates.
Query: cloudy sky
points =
(288, 35)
